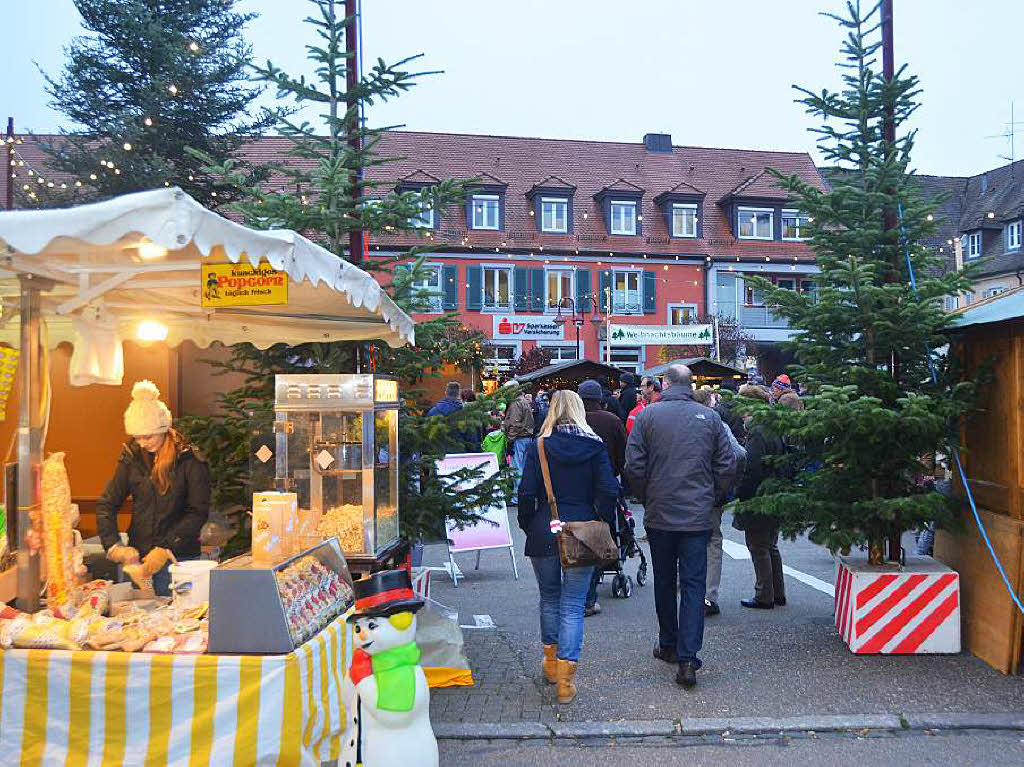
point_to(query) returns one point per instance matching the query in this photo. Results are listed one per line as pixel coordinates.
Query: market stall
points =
(705, 371)
(111, 673)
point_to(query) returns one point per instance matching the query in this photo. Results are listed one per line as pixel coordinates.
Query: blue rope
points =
(954, 448)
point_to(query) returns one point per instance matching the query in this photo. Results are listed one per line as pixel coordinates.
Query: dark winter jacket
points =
(627, 401)
(447, 406)
(171, 520)
(610, 430)
(612, 405)
(467, 440)
(582, 481)
(678, 460)
(518, 421)
(732, 419)
(761, 444)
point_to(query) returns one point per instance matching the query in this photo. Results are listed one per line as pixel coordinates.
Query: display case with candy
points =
(270, 609)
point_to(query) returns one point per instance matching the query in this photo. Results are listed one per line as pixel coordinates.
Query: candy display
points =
(55, 491)
(346, 524)
(312, 595)
(8, 367)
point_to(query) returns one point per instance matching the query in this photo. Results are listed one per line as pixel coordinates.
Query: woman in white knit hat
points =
(169, 484)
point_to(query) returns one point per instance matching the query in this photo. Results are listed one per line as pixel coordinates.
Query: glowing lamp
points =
(151, 330)
(149, 251)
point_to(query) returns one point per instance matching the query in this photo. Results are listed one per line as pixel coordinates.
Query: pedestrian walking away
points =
(518, 428)
(584, 489)
(611, 431)
(628, 396)
(677, 457)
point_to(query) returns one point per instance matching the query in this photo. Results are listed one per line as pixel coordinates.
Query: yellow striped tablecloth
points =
(113, 708)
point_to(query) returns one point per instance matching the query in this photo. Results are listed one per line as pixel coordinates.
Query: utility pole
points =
(9, 170)
(352, 122)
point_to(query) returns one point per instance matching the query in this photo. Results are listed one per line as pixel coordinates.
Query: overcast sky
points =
(710, 72)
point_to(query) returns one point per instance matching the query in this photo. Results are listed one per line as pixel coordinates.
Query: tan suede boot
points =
(550, 663)
(566, 690)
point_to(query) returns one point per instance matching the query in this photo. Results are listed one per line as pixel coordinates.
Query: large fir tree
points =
(318, 189)
(864, 339)
(151, 78)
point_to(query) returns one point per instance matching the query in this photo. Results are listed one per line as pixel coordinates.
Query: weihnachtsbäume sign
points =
(661, 334)
(243, 285)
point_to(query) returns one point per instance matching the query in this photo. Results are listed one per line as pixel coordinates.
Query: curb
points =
(727, 726)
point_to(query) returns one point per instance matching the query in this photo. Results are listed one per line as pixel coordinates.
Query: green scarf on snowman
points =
(394, 671)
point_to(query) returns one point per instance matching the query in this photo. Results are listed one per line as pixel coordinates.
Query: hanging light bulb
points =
(148, 122)
(193, 46)
(173, 89)
(92, 176)
(931, 217)
(127, 146)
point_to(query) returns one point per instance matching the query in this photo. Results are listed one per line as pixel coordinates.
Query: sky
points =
(716, 74)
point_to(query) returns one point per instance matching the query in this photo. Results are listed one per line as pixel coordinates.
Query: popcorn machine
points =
(335, 444)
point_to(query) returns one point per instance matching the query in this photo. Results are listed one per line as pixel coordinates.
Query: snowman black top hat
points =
(384, 593)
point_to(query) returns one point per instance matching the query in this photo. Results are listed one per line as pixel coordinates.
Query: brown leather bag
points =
(580, 544)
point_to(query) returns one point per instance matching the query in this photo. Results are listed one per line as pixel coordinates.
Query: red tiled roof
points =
(590, 166)
(762, 185)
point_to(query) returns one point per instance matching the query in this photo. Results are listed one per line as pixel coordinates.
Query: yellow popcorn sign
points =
(243, 285)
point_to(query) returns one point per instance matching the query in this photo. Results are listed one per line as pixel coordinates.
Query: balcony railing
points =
(761, 317)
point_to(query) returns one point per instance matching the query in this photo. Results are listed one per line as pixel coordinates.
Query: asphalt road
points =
(784, 662)
(965, 749)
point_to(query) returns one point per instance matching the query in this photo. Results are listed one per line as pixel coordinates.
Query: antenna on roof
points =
(1008, 134)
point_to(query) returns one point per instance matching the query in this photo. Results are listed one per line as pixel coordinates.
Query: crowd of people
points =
(683, 453)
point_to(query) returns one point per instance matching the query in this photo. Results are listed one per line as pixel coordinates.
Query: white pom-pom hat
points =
(147, 414)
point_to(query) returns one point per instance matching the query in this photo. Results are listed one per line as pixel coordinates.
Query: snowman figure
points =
(385, 691)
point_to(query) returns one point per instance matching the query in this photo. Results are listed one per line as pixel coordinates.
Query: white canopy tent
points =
(139, 259)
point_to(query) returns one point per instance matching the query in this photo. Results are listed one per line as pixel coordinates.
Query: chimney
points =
(658, 142)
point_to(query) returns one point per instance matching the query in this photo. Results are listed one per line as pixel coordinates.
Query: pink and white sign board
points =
(882, 610)
(483, 534)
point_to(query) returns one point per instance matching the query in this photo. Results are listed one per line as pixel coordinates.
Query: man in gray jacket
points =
(678, 458)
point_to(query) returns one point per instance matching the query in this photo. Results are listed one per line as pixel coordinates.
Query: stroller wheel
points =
(619, 586)
(627, 588)
(641, 575)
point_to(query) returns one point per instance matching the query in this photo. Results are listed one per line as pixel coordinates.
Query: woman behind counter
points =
(169, 484)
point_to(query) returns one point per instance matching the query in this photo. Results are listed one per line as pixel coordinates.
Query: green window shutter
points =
(448, 286)
(521, 294)
(606, 286)
(474, 288)
(583, 290)
(650, 292)
(537, 290)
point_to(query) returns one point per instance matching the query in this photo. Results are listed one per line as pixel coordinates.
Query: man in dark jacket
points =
(628, 395)
(518, 428)
(610, 430)
(678, 457)
(727, 411)
(451, 404)
(611, 404)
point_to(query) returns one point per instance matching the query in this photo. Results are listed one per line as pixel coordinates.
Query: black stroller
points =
(625, 536)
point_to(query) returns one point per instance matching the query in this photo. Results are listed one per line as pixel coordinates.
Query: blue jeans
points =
(561, 604)
(680, 557)
(592, 591)
(519, 446)
(162, 581)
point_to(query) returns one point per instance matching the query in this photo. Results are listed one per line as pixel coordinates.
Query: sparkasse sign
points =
(511, 327)
(243, 285)
(686, 335)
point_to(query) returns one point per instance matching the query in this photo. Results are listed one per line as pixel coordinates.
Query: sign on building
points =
(683, 335)
(243, 284)
(510, 327)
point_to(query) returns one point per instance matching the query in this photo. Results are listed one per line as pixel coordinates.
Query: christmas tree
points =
(152, 78)
(320, 190)
(867, 340)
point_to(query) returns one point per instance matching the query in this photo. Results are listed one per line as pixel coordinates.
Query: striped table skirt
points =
(114, 708)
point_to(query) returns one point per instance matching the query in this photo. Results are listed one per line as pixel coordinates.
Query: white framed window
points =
(1013, 232)
(684, 220)
(559, 284)
(995, 290)
(971, 244)
(755, 223)
(623, 217)
(501, 356)
(951, 303)
(559, 352)
(627, 291)
(627, 358)
(682, 314)
(794, 225)
(554, 215)
(425, 220)
(786, 283)
(486, 211)
(497, 288)
(428, 289)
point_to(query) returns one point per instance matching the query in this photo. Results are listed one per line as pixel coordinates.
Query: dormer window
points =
(684, 219)
(425, 219)
(1013, 233)
(971, 244)
(755, 223)
(486, 211)
(794, 225)
(623, 217)
(554, 215)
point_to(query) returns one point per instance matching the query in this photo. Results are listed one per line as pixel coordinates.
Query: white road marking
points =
(739, 551)
(481, 622)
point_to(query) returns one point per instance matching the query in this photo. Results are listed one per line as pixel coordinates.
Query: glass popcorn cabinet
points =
(334, 443)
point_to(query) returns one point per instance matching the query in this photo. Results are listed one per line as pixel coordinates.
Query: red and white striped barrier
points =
(909, 611)
(421, 581)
